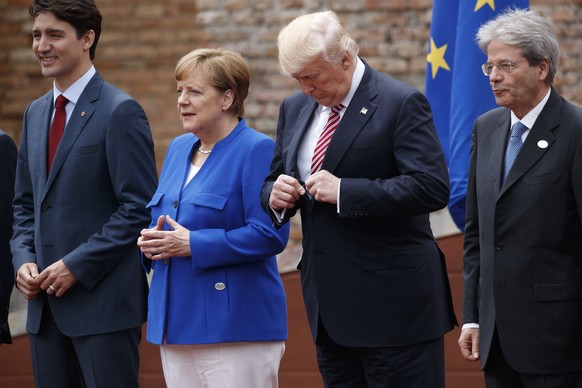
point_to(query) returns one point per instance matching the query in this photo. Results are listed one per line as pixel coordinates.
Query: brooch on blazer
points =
(363, 111)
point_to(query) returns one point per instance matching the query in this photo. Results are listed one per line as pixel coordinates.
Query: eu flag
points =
(455, 86)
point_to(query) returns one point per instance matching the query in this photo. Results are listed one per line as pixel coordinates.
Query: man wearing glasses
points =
(522, 302)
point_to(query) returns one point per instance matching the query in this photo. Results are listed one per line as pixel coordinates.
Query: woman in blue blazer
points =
(216, 302)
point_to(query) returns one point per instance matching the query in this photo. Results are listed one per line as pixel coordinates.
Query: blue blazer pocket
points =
(155, 200)
(209, 200)
(558, 291)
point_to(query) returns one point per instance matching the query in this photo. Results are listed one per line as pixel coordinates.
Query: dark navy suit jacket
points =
(88, 210)
(373, 273)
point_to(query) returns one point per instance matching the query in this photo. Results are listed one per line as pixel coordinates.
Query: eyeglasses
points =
(505, 67)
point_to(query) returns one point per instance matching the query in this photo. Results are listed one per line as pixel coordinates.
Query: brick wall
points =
(142, 40)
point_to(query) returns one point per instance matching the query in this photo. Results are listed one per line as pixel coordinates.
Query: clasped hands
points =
(56, 279)
(159, 244)
(287, 191)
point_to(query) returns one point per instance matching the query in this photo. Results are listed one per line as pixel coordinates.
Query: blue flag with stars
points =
(455, 85)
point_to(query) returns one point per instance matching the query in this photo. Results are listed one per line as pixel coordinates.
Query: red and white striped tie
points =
(325, 138)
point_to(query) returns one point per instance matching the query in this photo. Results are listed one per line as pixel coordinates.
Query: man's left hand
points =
(56, 279)
(323, 186)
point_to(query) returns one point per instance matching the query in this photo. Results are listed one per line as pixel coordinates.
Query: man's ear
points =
(88, 39)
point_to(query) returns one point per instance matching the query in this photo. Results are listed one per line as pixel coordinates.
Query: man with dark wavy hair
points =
(85, 172)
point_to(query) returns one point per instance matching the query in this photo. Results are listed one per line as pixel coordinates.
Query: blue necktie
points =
(514, 146)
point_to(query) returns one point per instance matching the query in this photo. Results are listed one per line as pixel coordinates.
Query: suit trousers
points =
(418, 365)
(108, 360)
(499, 374)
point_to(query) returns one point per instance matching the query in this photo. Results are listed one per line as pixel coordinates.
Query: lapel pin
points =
(542, 144)
(83, 114)
(363, 111)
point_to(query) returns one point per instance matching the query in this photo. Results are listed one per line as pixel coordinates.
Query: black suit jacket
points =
(523, 240)
(373, 273)
(7, 170)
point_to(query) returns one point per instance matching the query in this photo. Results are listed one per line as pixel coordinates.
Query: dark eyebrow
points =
(49, 30)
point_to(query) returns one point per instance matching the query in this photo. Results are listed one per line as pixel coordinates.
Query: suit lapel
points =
(537, 143)
(298, 131)
(498, 146)
(356, 116)
(81, 115)
(39, 128)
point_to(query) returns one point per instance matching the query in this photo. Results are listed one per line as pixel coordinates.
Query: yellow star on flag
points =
(481, 3)
(436, 57)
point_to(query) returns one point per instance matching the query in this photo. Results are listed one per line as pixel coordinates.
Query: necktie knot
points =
(518, 129)
(61, 101)
(336, 109)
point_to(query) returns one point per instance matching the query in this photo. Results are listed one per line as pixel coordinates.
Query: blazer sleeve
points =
(421, 182)
(22, 242)
(471, 257)
(277, 168)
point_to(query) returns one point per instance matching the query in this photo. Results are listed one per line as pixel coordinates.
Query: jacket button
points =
(175, 204)
(44, 207)
(219, 286)
(498, 247)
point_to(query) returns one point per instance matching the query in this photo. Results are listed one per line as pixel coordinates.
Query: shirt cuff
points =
(339, 184)
(278, 215)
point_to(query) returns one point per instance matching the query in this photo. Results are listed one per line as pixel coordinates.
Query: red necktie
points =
(57, 128)
(325, 138)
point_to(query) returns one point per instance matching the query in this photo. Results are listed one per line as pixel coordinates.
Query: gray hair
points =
(529, 31)
(312, 35)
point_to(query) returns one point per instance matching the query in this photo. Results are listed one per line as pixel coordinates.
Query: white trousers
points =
(222, 365)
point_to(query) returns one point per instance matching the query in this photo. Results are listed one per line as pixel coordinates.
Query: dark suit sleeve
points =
(22, 242)
(7, 172)
(420, 184)
(471, 258)
(132, 170)
(277, 168)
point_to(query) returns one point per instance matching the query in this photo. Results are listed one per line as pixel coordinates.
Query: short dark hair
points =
(83, 15)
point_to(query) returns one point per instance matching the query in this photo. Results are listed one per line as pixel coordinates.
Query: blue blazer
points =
(373, 273)
(229, 290)
(89, 210)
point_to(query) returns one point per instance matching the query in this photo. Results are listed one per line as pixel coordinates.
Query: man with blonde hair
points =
(357, 153)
